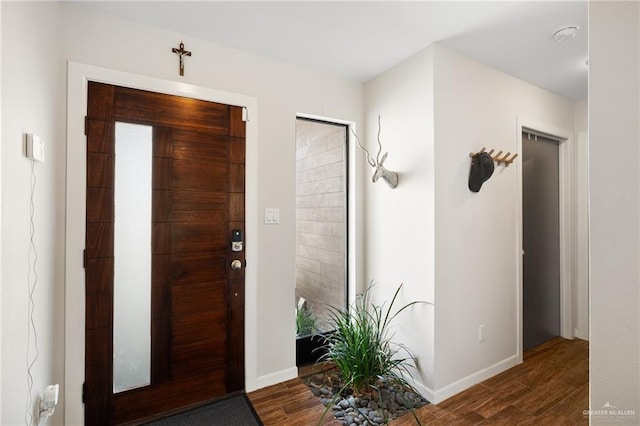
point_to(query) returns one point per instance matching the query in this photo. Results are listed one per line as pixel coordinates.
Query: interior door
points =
(541, 240)
(195, 318)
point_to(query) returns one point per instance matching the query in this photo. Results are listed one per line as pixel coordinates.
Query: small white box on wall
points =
(35, 147)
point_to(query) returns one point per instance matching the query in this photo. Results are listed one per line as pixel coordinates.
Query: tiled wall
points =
(320, 214)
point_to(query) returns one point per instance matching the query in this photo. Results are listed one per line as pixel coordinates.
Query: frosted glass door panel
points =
(132, 248)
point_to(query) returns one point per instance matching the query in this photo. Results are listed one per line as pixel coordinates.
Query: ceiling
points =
(359, 40)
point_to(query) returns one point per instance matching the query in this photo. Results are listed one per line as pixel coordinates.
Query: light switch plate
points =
(271, 216)
(35, 147)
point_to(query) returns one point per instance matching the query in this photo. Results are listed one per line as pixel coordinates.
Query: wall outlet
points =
(35, 147)
(48, 401)
(481, 335)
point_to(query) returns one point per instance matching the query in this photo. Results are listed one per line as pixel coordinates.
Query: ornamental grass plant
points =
(361, 346)
(306, 322)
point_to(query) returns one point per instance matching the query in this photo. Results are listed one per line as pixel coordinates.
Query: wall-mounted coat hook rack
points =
(499, 157)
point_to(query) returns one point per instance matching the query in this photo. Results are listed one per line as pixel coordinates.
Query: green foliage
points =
(306, 322)
(361, 346)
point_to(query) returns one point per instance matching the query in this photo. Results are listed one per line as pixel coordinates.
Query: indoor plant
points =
(309, 338)
(362, 351)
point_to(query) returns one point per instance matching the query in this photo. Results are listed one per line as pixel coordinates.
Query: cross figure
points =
(181, 53)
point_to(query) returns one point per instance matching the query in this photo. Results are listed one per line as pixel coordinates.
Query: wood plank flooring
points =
(551, 387)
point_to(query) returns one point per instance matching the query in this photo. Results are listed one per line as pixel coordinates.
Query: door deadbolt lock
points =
(236, 265)
(236, 240)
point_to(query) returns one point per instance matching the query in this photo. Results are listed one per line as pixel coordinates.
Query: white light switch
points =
(271, 216)
(35, 147)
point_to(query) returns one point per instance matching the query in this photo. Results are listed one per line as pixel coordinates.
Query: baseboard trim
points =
(433, 396)
(580, 335)
(458, 386)
(425, 391)
(276, 377)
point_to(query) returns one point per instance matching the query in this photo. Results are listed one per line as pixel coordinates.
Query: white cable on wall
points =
(32, 281)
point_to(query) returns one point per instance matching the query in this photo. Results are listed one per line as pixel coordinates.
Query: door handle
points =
(236, 265)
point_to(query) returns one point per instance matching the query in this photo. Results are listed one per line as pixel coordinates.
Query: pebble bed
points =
(367, 410)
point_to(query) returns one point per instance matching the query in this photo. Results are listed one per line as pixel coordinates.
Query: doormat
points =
(233, 411)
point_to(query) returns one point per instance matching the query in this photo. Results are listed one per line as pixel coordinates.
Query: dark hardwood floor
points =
(551, 387)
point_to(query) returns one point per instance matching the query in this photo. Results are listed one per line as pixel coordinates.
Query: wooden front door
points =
(197, 300)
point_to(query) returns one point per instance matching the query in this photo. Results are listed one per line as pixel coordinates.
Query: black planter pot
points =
(310, 348)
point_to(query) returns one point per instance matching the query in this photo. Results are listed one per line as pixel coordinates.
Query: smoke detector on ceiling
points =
(566, 33)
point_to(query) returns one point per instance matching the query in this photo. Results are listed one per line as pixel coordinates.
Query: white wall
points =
(399, 235)
(32, 95)
(445, 243)
(614, 155)
(581, 116)
(581, 272)
(477, 234)
(0, 208)
(88, 37)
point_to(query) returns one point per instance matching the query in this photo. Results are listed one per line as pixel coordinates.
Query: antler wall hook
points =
(378, 164)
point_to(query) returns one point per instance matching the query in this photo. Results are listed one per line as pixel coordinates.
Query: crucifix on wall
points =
(181, 53)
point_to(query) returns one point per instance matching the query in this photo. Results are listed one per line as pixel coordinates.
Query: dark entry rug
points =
(233, 411)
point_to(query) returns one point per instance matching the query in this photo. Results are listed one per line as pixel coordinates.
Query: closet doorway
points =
(541, 238)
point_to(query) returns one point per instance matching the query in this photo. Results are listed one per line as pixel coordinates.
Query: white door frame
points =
(566, 163)
(74, 346)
